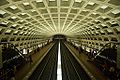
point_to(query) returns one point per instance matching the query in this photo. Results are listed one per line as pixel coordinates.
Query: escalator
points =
(12, 59)
(106, 59)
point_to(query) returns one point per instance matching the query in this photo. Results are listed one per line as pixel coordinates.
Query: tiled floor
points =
(28, 67)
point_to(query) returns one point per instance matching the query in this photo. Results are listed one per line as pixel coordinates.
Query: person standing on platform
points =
(12, 73)
(30, 58)
(79, 49)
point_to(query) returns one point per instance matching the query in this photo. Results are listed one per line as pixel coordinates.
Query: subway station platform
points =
(30, 31)
(92, 71)
(27, 69)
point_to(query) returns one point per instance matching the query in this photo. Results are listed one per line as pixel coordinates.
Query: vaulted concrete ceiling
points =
(40, 18)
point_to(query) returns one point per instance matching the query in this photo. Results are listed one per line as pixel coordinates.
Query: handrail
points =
(13, 47)
(105, 46)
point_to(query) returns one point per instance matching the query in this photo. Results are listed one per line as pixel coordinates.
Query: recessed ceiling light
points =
(104, 6)
(94, 13)
(14, 25)
(51, 0)
(13, 7)
(13, 17)
(8, 31)
(23, 13)
(5, 23)
(64, 0)
(78, 0)
(116, 11)
(85, 10)
(2, 12)
(96, 20)
(102, 31)
(33, 10)
(104, 17)
(21, 32)
(39, 0)
(109, 30)
(103, 24)
(26, 4)
(15, 31)
(91, 3)
(21, 20)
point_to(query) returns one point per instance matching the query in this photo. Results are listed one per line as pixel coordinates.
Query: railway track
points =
(47, 69)
(71, 69)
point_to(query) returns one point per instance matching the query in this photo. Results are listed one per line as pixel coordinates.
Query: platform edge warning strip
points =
(35, 66)
(83, 66)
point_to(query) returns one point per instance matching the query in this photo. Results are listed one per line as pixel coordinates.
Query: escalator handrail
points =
(105, 46)
(14, 48)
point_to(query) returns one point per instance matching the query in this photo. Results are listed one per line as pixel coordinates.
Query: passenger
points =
(89, 54)
(90, 58)
(105, 68)
(30, 57)
(12, 73)
(112, 74)
(118, 75)
(80, 49)
(94, 52)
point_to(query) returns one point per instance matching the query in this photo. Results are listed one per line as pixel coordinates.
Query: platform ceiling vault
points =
(98, 19)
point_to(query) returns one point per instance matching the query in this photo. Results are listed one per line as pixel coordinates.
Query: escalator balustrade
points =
(106, 60)
(11, 60)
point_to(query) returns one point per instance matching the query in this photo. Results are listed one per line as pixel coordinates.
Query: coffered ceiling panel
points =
(68, 17)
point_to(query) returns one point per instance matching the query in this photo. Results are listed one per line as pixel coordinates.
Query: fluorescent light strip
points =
(59, 70)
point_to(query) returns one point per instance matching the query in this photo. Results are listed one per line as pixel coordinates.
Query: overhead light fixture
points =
(14, 25)
(64, 0)
(103, 24)
(21, 32)
(5, 23)
(116, 11)
(13, 17)
(13, 7)
(109, 30)
(104, 17)
(39, 0)
(104, 6)
(51, 0)
(8, 31)
(23, 13)
(16, 32)
(91, 3)
(78, 0)
(94, 13)
(21, 21)
(33, 10)
(26, 4)
(2, 12)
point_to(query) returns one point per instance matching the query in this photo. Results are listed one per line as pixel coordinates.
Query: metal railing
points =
(107, 45)
(10, 45)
